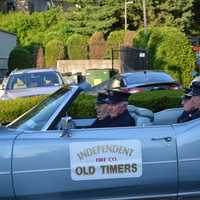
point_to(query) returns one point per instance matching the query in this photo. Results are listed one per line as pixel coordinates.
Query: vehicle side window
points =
(50, 79)
(19, 84)
(16, 82)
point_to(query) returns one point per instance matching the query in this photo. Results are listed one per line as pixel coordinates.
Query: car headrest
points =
(143, 112)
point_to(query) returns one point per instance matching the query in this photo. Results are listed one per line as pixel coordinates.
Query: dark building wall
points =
(39, 5)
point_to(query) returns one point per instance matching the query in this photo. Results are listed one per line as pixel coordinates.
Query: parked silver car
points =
(30, 82)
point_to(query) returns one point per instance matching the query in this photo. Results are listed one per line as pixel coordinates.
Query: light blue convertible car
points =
(45, 154)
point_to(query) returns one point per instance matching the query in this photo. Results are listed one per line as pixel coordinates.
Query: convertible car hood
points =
(32, 91)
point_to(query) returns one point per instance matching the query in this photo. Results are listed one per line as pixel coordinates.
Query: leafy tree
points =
(104, 15)
(171, 13)
(89, 19)
(196, 18)
(38, 27)
(170, 50)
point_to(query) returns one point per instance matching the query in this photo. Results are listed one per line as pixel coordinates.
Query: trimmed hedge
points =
(77, 47)
(97, 46)
(157, 100)
(84, 105)
(55, 50)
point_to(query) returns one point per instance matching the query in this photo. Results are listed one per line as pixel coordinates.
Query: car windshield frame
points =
(40, 117)
(34, 80)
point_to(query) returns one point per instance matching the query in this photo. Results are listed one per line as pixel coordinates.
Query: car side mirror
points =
(66, 124)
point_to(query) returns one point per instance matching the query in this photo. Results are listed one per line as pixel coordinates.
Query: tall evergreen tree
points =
(105, 15)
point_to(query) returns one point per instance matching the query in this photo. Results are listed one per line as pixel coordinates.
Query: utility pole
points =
(144, 15)
(125, 13)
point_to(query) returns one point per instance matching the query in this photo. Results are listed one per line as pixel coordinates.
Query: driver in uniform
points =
(102, 111)
(119, 115)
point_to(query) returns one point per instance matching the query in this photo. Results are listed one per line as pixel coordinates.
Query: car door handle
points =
(166, 139)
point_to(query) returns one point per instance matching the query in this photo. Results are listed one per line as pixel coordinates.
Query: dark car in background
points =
(140, 81)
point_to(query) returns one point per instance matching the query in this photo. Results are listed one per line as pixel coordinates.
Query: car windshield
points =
(37, 118)
(31, 80)
(137, 78)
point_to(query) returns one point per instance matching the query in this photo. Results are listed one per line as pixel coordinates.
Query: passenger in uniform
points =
(187, 106)
(102, 111)
(194, 103)
(119, 115)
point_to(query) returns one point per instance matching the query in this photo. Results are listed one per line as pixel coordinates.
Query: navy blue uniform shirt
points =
(122, 120)
(101, 123)
(189, 115)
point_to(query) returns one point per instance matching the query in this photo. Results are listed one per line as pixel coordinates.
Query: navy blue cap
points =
(102, 98)
(187, 94)
(115, 97)
(195, 88)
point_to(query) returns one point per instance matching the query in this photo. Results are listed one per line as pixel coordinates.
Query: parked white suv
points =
(30, 82)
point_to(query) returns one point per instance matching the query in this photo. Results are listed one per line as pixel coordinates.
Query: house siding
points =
(8, 42)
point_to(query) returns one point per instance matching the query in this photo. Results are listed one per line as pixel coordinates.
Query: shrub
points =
(157, 100)
(11, 109)
(84, 105)
(97, 46)
(77, 47)
(19, 58)
(141, 38)
(54, 51)
(170, 50)
(115, 41)
(178, 58)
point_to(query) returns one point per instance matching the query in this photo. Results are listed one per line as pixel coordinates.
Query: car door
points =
(6, 143)
(188, 142)
(117, 163)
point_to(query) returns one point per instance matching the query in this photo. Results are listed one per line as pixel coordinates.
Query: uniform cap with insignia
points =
(187, 94)
(117, 96)
(102, 98)
(195, 88)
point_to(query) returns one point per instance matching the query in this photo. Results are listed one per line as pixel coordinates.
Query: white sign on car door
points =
(106, 159)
